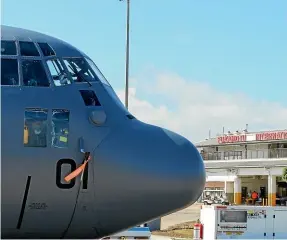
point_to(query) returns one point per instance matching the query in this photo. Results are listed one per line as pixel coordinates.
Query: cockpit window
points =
(8, 48)
(97, 72)
(35, 127)
(34, 74)
(79, 70)
(9, 72)
(28, 49)
(46, 49)
(60, 128)
(58, 73)
(90, 98)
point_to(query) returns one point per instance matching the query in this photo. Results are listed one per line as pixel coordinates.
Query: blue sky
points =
(235, 46)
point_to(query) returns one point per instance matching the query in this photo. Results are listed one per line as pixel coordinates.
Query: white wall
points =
(230, 187)
(254, 184)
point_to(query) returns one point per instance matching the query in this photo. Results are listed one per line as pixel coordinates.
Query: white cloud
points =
(191, 108)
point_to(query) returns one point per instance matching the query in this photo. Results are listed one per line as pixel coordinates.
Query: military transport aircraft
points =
(75, 162)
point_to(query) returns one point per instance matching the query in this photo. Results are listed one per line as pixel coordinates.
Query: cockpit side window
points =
(9, 72)
(28, 49)
(60, 128)
(46, 49)
(35, 127)
(97, 72)
(58, 73)
(79, 70)
(90, 98)
(34, 74)
(8, 48)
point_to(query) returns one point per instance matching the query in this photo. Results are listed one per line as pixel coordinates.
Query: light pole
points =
(127, 54)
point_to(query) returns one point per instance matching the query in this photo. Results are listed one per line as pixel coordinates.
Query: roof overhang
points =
(201, 145)
(246, 163)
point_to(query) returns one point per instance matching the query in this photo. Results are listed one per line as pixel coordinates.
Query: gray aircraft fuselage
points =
(57, 109)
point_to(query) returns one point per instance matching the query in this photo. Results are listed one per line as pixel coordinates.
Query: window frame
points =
(36, 46)
(40, 49)
(51, 58)
(49, 78)
(51, 130)
(90, 68)
(43, 60)
(106, 80)
(47, 125)
(18, 67)
(96, 98)
(16, 46)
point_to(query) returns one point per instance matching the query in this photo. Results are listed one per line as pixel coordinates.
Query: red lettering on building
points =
(231, 139)
(271, 136)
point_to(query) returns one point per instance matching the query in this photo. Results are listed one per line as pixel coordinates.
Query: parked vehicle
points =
(215, 200)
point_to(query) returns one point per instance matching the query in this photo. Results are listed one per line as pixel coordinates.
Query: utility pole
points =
(127, 54)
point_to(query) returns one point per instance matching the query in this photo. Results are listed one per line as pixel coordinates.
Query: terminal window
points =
(233, 155)
(60, 128)
(35, 127)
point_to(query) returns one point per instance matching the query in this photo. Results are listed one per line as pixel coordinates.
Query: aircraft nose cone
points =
(144, 172)
(186, 173)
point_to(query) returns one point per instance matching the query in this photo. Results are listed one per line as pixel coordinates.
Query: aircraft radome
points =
(75, 162)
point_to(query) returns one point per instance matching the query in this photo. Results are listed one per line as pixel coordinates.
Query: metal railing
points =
(249, 154)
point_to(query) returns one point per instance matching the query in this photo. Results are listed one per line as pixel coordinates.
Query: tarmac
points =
(191, 213)
(156, 237)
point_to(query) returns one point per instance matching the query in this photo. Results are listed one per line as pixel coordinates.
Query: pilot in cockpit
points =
(37, 134)
(29, 78)
(83, 74)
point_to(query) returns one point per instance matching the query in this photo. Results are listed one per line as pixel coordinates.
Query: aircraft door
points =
(67, 143)
(53, 153)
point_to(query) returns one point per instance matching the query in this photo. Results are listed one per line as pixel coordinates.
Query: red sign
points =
(271, 136)
(231, 139)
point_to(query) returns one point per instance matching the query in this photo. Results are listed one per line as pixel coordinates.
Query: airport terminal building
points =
(240, 162)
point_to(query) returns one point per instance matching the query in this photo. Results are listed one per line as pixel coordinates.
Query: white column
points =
(271, 190)
(237, 190)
